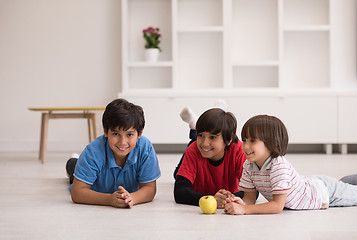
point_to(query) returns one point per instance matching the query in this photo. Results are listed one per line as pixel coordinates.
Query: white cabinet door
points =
(308, 119)
(347, 119)
(311, 119)
(162, 115)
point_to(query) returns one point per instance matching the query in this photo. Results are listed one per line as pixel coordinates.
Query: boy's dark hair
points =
(216, 120)
(123, 114)
(269, 129)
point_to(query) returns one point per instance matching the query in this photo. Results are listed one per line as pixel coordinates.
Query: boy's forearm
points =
(272, 207)
(263, 208)
(250, 198)
(146, 193)
(88, 196)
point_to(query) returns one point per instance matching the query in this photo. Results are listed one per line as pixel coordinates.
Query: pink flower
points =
(152, 37)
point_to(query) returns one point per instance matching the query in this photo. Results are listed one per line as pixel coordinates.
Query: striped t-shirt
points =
(278, 176)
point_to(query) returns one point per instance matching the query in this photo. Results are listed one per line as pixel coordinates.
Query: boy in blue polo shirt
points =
(119, 168)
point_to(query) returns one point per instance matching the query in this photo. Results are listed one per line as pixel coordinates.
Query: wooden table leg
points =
(43, 137)
(92, 127)
(90, 132)
(95, 130)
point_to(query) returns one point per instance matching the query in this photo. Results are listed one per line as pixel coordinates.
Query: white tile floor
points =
(35, 204)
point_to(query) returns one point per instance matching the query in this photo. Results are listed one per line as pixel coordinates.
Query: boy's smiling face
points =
(122, 142)
(211, 145)
(256, 151)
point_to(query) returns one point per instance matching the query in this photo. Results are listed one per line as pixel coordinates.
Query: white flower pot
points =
(151, 54)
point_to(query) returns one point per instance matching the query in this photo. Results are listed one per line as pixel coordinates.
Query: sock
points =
(350, 179)
(221, 104)
(189, 116)
(74, 155)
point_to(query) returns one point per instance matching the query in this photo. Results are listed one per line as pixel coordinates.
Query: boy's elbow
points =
(152, 195)
(180, 198)
(151, 190)
(74, 197)
(278, 209)
(177, 198)
(179, 194)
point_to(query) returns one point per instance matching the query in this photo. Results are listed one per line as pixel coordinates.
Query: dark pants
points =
(70, 166)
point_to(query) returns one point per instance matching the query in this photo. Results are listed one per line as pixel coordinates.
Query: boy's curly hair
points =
(123, 114)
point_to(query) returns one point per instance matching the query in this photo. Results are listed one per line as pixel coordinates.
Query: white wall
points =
(55, 53)
(343, 37)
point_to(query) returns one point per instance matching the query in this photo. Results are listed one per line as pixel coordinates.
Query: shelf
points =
(305, 28)
(241, 92)
(256, 64)
(140, 15)
(254, 30)
(150, 64)
(228, 44)
(306, 60)
(150, 77)
(207, 29)
(260, 56)
(306, 12)
(255, 77)
(199, 13)
(200, 60)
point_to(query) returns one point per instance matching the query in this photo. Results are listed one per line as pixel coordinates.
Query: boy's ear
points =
(105, 132)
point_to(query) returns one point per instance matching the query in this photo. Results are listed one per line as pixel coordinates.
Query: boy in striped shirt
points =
(265, 141)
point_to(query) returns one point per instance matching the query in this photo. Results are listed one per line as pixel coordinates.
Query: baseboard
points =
(292, 148)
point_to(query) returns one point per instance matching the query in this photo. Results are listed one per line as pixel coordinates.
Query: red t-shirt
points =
(209, 179)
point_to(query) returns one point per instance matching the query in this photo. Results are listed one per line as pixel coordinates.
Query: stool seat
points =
(53, 109)
(66, 112)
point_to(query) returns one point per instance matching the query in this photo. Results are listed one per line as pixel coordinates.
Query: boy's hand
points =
(126, 196)
(221, 196)
(121, 198)
(234, 208)
(234, 199)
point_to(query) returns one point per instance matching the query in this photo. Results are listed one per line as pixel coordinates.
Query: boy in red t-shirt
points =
(212, 164)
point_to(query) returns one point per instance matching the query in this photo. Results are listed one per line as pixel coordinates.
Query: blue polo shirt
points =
(96, 166)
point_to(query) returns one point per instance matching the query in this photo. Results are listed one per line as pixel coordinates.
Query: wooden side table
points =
(75, 112)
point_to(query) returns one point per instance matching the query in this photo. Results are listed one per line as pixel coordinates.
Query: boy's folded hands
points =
(121, 198)
(221, 196)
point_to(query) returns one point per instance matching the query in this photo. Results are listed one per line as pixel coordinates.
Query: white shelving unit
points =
(136, 16)
(259, 52)
(228, 44)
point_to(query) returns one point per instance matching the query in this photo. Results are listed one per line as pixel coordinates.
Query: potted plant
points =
(152, 39)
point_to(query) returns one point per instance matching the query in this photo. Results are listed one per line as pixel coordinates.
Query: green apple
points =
(208, 204)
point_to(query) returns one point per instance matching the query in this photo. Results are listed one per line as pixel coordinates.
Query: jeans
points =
(341, 194)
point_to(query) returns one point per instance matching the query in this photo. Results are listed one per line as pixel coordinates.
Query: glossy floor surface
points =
(35, 204)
